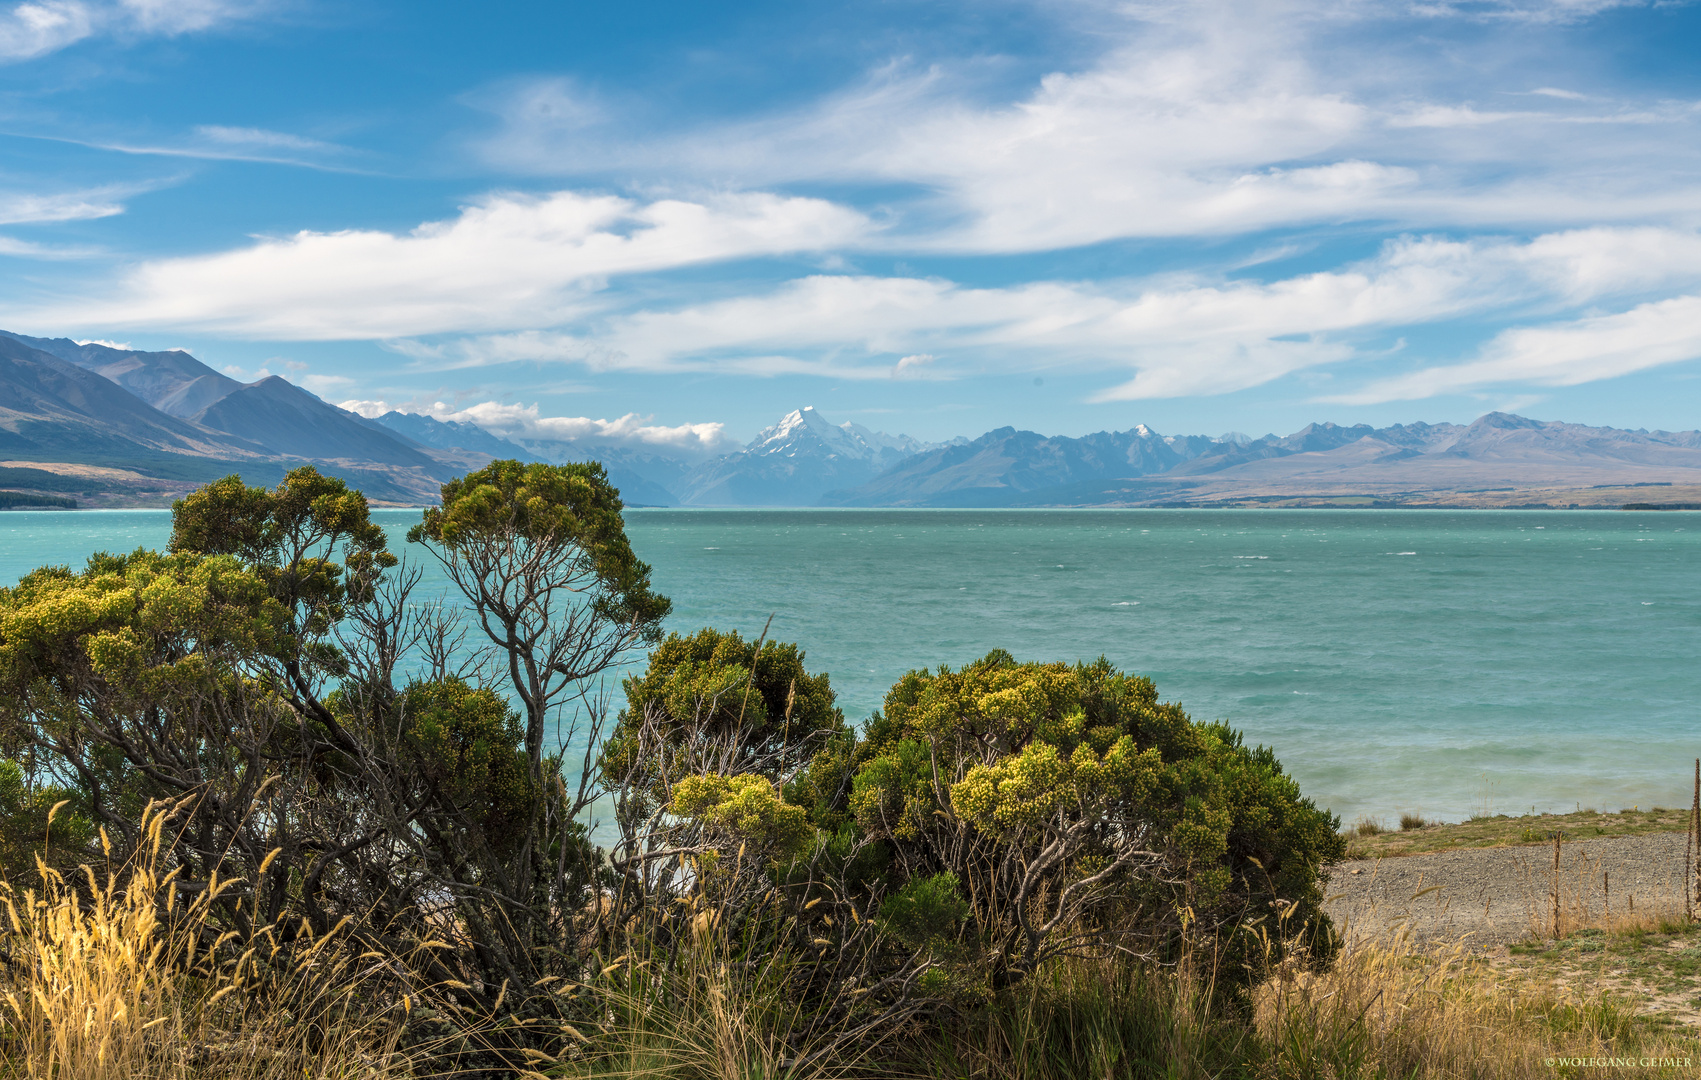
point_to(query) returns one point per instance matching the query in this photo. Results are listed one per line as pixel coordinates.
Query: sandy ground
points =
(1502, 895)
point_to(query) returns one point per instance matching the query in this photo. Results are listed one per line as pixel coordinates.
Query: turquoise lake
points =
(1444, 662)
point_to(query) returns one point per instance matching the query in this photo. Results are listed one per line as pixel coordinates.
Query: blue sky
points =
(668, 224)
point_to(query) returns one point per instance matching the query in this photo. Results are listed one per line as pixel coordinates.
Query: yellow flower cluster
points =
(749, 808)
(1039, 782)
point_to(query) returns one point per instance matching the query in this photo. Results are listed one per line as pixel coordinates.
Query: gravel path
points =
(1502, 895)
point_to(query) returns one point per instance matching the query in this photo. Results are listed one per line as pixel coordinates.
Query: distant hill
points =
(1494, 458)
(1005, 467)
(453, 435)
(291, 422)
(50, 408)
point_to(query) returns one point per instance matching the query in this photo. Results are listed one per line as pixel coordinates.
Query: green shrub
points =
(467, 747)
(751, 707)
(924, 910)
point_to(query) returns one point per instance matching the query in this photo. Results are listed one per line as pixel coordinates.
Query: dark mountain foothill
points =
(154, 425)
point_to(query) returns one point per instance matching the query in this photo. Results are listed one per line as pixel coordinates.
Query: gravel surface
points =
(1502, 895)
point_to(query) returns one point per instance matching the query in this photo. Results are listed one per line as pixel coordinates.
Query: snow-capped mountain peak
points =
(805, 426)
(795, 461)
(806, 430)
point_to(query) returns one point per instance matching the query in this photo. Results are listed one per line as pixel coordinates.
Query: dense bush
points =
(1077, 810)
(1059, 808)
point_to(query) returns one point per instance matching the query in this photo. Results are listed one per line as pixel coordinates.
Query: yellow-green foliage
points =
(1023, 754)
(1039, 781)
(290, 537)
(140, 623)
(748, 808)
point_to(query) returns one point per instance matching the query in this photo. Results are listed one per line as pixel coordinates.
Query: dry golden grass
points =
(1441, 1012)
(122, 979)
(120, 976)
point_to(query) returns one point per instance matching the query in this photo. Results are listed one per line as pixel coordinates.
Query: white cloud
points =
(1156, 140)
(31, 29)
(507, 261)
(1195, 120)
(1534, 11)
(912, 366)
(524, 422)
(1178, 336)
(185, 16)
(1450, 116)
(28, 249)
(216, 142)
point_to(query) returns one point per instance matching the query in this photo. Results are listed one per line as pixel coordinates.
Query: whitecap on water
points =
(1250, 556)
(1126, 603)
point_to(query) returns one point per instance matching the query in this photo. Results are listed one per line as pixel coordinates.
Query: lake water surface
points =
(1445, 662)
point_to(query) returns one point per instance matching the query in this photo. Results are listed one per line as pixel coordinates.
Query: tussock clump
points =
(1369, 826)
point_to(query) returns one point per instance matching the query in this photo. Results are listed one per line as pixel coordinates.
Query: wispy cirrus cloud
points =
(27, 208)
(29, 249)
(248, 137)
(38, 27)
(1197, 120)
(1527, 11)
(213, 142)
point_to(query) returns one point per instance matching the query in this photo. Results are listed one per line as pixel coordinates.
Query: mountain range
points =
(126, 427)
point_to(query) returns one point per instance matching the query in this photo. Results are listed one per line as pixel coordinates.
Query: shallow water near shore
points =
(1443, 662)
